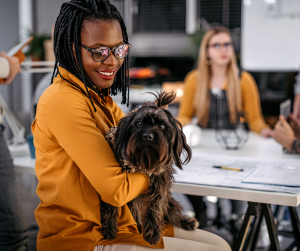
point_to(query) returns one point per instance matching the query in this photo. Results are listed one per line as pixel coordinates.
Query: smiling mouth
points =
(106, 73)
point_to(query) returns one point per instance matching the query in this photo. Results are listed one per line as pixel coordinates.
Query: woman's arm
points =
(284, 135)
(251, 105)
(67, 120)
(186, 109)
(4, 67)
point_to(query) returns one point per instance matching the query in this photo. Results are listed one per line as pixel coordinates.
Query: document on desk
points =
(276, 173)
(200, 171)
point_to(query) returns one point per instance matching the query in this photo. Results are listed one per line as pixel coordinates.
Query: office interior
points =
(165, 36)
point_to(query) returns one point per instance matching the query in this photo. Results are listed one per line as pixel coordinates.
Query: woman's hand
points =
(14, 68)
(296, 107)
(283, 133)
(295, 124)
(266, 132)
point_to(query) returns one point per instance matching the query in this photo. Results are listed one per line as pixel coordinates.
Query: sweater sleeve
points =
(186, 109)
(251, 103)
(4, 67)
(75, 130)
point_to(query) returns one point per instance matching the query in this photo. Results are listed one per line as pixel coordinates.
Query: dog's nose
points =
(148, 136)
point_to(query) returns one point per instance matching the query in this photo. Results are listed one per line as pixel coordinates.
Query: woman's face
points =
(95, 34)
(220, 49)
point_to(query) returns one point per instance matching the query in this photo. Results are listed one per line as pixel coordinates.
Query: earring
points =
(208, 62)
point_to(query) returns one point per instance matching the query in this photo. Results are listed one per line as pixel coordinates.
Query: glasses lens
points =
(216, 45)
(122, 51)
(100, 54)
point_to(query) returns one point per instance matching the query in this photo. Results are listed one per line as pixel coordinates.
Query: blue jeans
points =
(13, 225)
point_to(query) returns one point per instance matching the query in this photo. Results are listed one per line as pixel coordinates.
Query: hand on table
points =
(283, 133)
(14, 68)
(296, 107)
(295, 124)
(266, 132)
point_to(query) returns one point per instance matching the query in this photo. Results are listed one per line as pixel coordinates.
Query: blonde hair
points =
(202, 95)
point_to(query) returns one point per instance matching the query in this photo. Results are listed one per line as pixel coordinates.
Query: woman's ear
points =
(180, 146)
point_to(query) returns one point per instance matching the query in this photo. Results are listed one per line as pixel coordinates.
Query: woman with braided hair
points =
(74, 163)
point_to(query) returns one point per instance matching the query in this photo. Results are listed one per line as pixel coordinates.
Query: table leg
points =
(291, 247)
(272, 230)
(253, 237)
(252, 210)
(259, 210)
(296, 226)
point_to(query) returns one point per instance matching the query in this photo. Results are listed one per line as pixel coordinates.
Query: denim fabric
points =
(13, 225)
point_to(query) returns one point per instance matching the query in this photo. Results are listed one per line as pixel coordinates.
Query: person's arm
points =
(9, 68)
(295, 124)
(186, 109)
(251, 105)
(4, 67)
(69, 122)
(296, 107)
(284, 135)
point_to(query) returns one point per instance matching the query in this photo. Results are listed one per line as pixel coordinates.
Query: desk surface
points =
(256, 147)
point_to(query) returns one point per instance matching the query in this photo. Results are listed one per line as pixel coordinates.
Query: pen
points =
(229, 168)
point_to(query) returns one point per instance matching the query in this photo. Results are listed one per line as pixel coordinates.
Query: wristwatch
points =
(294, 145)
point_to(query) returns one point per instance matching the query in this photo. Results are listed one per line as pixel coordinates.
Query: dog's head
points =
(150, 138)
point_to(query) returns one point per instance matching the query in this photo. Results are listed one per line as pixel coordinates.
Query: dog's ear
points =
(162, 98)
(180, 146)
(121, 137)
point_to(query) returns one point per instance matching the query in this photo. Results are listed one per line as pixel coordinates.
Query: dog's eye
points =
(161, 126)
(139, 123)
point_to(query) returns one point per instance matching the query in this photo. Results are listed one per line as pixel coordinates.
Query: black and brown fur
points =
(149, 140)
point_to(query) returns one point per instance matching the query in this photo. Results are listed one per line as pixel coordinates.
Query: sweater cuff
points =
(4, 67)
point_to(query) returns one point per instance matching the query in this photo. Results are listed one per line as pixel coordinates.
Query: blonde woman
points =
(217, 79)
(217, 70)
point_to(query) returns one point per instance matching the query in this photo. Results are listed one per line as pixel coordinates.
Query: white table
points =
(259, 201)
(256, 147)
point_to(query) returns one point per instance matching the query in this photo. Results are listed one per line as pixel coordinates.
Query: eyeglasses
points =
(99, 54)
(218, 46)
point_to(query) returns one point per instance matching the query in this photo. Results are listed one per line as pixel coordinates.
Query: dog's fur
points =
(149, 140)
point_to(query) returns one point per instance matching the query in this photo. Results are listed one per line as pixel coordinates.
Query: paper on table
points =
(275, 174)
(199, 171)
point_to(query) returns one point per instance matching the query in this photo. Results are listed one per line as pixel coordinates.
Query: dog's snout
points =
(148, 136)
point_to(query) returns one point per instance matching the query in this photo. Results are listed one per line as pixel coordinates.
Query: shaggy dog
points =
(149, 140)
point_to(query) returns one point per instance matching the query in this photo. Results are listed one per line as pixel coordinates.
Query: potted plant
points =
(36, 48)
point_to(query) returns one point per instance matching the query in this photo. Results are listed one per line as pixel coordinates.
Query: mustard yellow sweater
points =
(74, 165)
(250, 101)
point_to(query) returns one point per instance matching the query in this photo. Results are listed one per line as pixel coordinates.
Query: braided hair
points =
(67, 32)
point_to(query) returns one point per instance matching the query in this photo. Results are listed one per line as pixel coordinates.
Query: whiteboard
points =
(270, 39)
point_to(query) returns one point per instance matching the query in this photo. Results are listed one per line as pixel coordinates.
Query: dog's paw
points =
(109, 234)
(152, 237)
(151, 233)
(189, 223)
